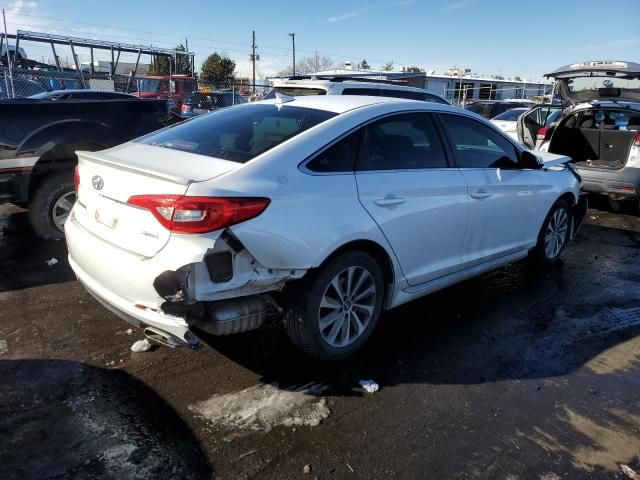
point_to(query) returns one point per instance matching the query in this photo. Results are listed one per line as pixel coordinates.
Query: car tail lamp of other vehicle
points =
(544, 133)
(185, 110)
(184, 214)
(636, 140)
(76, 179)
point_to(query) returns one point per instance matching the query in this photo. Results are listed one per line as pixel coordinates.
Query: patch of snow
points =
(52, 261)
(4, 347)
(141, 346)
(129, 331)
(263, 407)
(369, 385)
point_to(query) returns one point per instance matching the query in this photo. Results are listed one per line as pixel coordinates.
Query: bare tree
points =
(307, 65)
(387, 67)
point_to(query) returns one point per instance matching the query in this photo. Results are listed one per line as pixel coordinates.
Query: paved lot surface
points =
(516, 374)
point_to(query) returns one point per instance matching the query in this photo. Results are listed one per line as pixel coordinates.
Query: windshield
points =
(238, 134)
(512, 114)
(149, 84)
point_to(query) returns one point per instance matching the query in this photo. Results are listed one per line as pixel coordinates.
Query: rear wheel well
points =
(43, 169)
(374, 249)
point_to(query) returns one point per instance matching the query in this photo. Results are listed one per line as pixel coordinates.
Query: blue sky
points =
(497, 36)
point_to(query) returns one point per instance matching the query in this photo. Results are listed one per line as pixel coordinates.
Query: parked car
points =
(599, 126)
(319, 85)
(40, 137)
(507, 121)
(333, 209)
(22, 87)
(492, 108)
(80, 94)
(204, 102)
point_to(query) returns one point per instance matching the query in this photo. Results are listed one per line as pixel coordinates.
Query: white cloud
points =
(616, 44)
(458, 4)
(340, 18)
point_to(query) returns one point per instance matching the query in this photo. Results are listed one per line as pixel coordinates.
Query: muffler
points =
(162, 338)
(233, 316)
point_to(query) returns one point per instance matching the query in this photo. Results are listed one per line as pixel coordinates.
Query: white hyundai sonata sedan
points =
(328, 209)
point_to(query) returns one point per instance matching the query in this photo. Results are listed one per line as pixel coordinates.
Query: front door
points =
(502, 196)
(417, 199)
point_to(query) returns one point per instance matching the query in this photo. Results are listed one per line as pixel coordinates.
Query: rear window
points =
(238, 134)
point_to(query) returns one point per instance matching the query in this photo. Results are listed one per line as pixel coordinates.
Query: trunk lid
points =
(110, 177)
(598, 80)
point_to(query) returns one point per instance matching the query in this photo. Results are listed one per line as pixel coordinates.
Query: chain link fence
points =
(185, 95)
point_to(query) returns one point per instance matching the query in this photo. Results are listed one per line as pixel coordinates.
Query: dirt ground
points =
(517, 374)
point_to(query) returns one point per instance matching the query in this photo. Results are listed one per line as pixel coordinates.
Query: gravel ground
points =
(517, 374)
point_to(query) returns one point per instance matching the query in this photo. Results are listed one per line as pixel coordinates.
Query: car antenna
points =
(282, 98)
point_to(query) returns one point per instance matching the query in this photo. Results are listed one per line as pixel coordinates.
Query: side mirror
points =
(530, 160)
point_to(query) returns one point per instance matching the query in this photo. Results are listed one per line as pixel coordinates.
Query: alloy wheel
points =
(62, 209)
(556, 233)
(347, 306)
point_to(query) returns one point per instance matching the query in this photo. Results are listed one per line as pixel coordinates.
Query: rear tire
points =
(50, 205)
(554, 234)
(330, 313)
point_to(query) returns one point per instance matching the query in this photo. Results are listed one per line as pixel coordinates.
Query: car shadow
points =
(24, 256)
(65, 419)
(517, 322)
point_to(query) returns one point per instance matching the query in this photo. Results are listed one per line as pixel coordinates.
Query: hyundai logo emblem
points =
(97, 182)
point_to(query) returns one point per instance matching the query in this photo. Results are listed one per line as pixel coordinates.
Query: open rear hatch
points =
(108, 179)
(598, 80)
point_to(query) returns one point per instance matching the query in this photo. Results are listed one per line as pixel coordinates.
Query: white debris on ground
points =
(141, 346)
(4, 347)
(629, 472)
(263, 407)
(52, 261)
(129, 331)
(369, 385)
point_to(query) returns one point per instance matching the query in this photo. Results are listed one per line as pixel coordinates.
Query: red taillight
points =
(185, 109)
(200, 214)
(76, 179)
(544, 133)
(636, 140)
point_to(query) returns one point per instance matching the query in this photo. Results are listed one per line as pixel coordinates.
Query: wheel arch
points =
(380, 255)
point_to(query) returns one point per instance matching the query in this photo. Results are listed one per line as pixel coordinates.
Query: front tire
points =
(51, 204)
(554, 235)
(331, 313)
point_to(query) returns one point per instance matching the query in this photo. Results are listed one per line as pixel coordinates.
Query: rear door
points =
(503, 197)
(417, 199)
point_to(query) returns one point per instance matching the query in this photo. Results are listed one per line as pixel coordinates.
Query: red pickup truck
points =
(174, 88)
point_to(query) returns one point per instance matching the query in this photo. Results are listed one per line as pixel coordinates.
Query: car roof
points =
(325, 82)
(344, 103)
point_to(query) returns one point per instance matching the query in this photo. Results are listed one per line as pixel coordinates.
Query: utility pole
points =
(293, 40)
(316, 62)
(253, 61)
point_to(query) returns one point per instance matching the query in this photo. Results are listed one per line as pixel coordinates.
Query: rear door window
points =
(361, 91)
(478, 146)
(407, 141)
(238, 134)
(408, 94)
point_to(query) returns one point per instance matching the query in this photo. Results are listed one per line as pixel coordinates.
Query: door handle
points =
(608, 145)
(480, 194)
(389, 201)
